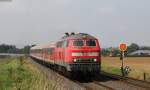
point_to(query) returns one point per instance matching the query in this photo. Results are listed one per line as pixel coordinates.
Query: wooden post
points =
(122, 62)
(144, 76)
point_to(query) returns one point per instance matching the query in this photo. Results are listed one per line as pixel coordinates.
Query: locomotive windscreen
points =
(78, 43)
(90, 42)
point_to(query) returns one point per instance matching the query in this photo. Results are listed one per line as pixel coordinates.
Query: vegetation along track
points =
(102, 82)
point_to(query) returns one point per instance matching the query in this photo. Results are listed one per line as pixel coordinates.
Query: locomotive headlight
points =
(95, 60)
(77, 54)
(75, 60)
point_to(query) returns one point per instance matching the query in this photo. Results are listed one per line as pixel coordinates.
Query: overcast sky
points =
(25, 22)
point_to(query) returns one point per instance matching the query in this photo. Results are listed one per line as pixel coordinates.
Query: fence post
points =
(21, 60)
(144, 76)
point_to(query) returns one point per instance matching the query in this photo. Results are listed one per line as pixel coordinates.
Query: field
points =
(138, 65)
(20, 74)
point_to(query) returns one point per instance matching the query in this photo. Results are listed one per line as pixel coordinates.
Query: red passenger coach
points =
(73, 53)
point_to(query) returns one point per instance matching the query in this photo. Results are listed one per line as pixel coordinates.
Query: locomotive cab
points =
(85, 49)
(83, 54)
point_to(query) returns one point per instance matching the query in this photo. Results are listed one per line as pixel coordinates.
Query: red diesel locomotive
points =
(73, 53)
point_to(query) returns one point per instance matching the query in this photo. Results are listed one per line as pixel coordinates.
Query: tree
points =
(104, 51)
(7, 48)
(133, 47)
(116, 52)
(26, 49)
(144, 48)
(4, 48)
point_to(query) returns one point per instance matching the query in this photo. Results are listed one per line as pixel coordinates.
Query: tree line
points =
(116, 52)
(4, 48)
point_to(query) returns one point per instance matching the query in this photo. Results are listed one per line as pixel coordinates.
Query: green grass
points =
(112, 70)
(17, 76)
(133, 73)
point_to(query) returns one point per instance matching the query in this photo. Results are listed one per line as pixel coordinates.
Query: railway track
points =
(73, 84)
(104, 82)
(80, 85)
(104, 85)
(94, 85)
(128, 80)
(114, 82)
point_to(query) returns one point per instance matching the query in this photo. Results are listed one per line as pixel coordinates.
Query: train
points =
(73, 53)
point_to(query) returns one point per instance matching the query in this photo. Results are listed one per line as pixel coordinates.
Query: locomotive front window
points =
(78, 43)
(91, 43)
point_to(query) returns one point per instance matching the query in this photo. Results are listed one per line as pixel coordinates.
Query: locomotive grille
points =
(85, 66)
(83, 60)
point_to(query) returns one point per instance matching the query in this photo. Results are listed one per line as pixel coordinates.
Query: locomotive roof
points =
(79, 36)
(75, 36)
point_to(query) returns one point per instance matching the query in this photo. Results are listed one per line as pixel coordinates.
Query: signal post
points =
(122, 48)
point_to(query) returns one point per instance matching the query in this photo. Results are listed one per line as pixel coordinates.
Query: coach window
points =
(90, 42)
(61, 44)
(50, 51)
(78, 43)
(58, 44)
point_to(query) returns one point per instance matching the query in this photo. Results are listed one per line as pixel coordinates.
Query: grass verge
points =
(112, 70)
(137, 74)
(16, 74)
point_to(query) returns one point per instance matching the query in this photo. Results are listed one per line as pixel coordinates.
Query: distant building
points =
(140, 53)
